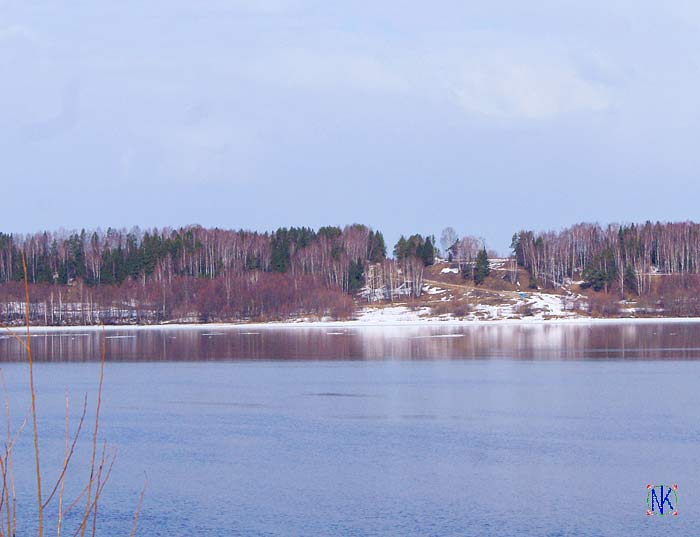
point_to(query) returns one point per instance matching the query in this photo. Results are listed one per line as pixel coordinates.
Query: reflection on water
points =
(246, 443)
(643, 341)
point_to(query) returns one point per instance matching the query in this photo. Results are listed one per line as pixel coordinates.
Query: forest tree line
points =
(195, 273)
(622, 259)
(198, 274)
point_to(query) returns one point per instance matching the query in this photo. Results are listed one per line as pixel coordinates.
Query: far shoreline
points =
(303, 324)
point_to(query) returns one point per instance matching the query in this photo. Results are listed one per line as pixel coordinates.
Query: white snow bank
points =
(392, 314)
(433, 290)
(370, 319)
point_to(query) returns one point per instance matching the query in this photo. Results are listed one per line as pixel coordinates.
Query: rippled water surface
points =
(495, 430)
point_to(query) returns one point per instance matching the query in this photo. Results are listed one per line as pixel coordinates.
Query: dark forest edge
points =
(193, 274)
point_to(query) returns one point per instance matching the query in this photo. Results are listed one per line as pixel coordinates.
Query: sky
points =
(489, 117)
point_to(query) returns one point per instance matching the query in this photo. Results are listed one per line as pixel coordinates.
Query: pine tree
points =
(356, 276)
(401, 248)
(428, 251)
(601, 272)
(280, 256)
(482, 268)
(376, 249)
(330, 232)
(379, 247)
(532, 284)
(517, 247)
(630, 279)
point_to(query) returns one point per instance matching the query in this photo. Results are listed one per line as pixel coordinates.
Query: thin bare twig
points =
(62, 479)
(98, 495)
(94, 433)
(98, 476)
(10, 466)
(69, 454)
(75, 502)
(33, 393)
(99, 480)
(5, 497)
(138, 507)
(6, 494)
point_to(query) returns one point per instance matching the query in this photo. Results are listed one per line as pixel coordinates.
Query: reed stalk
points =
(100, 470)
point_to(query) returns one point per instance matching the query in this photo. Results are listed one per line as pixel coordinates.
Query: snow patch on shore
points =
(530, 306)
(393, 314)
(368, 321)
(433, 290)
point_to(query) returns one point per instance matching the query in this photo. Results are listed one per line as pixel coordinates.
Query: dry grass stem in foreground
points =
(100, 470)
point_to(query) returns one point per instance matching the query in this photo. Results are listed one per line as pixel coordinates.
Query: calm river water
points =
(539, 429)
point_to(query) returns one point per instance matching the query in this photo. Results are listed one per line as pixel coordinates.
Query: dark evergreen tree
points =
(376, 249)
(517, 247)
(630, 279)
(74, 264)
(330, 232)
(356, 276)
(427, 252)
(280, 256)
(401, 248)
(601, 272)
(151, 251)
(532, 284)
(134, 262)
(301, 237)
(416, 246)
(482, 267)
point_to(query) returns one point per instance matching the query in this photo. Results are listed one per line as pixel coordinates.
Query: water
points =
(497, 430)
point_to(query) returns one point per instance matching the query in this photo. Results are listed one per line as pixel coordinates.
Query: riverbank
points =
(359, 323)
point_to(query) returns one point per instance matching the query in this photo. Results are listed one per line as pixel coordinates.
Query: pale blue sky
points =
(407, 116)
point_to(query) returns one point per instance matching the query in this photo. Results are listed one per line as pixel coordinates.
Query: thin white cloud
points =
(18, 32)
(498, 84)
(514, 88)
(261, 7)
(326, 70)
